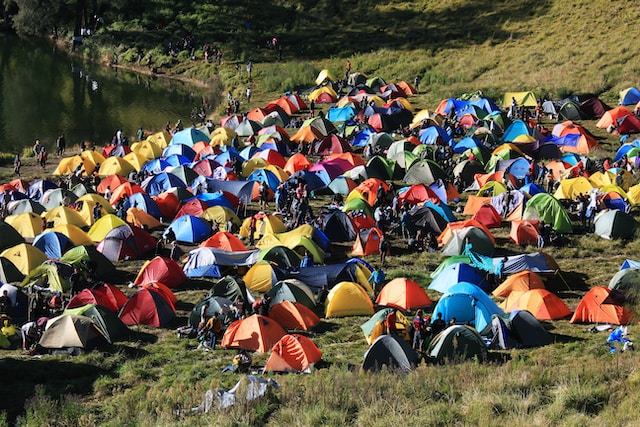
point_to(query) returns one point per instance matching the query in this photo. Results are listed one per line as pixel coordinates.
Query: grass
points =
(456, 46)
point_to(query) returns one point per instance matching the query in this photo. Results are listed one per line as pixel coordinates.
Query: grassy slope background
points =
(550, 47)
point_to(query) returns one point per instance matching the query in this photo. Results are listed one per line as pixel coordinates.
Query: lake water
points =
(46, 92)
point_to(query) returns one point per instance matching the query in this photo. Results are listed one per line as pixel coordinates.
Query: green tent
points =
(480, 242)
(280, 255)
(292, 290)
(545, 207)
(570, 110)
(48, 276)
(424, 172)
(613, 224)
(379, 167)
(217, 304)
(107, 322)
(390, 351)
(230, 288)
(357, 204)
(80, 255)
(447, 262)
(9, 272)
(627, 279)
(457, 343)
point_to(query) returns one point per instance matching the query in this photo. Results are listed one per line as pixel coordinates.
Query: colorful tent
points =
(24, 256)
(543, 304)
(163, 270)
(519, 282)
(390, 351)
(367, 242)
(105, 295)
(602, 305)
(147, 307)
(293, 315)
(545, 207)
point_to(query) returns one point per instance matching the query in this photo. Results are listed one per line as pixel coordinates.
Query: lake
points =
(46, 92)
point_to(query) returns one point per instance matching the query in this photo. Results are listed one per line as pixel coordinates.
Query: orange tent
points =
(543, 304)
(163, 270)
(255, 333)
(407, 88)
(225, 241)
(602, 305)
(474, 203)
(369, 187)
(111, 181)
(367, 242)
(293, 353)
(404, 294)
(168, 203)
(307, 134)
(123, 189)
(352, 158)
(525, 232)
(488, 215)
(418, 193)
(139, 218)
(612, 116)
(293, 315)
(297, 162)
(522, 281)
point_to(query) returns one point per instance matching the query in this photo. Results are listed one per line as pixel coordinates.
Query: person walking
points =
(17, 164)
(248, 95)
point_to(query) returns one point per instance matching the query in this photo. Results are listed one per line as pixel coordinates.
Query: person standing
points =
(307, 260)
(17, 164)
(385, 249)
(377, 279)
(248, 95)
(60, 145)
(390, 323)
(249, 69)
(140, 133)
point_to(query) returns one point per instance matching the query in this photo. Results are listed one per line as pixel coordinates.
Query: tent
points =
(220, 305)
(9, 273)
(147, 307)
(457, 343)
(404, 294)
(206, 261)
(488, 216)
(85, 256)
(338, 227)
(390, 351)
(543, 304)
(189, 229)
(546, 208)
(348, 299)
(455, 273)
(479, 240)
(523, 99)
(293, 315)
(231, 289)
(24, 256)
(367, 242)
(374, 327)
(103, 226)
(520, 282)
(224, 240)
(9, 236)
(525, 232)
(527, 330)
(105, 295)
(107, 322)
(468, 304)
(602, 305)
(254, 333)
(293, 353)
(71, 331)
(126, 242)
(53, 244)
(613, 224)
(629, 96)
(27, 224)
(292, 290)
(627, 279)
(280, 255)
(163, 270)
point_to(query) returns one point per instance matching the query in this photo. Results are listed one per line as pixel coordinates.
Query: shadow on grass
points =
(144, 337)
(21, 376)
(324, 327)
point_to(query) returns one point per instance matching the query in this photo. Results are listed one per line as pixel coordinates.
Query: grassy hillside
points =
(551, 47)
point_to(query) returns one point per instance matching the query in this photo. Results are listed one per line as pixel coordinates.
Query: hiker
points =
(75, 281)
(241, 363)
(248, 95)
(312, 109)
(437, 325)
(263, 194)
(385, 249)
(43, 156)
(390, 323)
(5, 302)
(213, 329)
(17, 164)
(60, 145)
(377, 278)
(322, 295)
(416, 83)
(307, 260)
(97, 212)
(249, 69)
(36, 148)
(418, 331)
(513, 109)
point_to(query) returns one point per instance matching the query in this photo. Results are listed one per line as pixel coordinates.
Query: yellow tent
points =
(75, 234)
(252, 164)
(634, 194)
(64, 215)
(161, 139)
(280, 173)
(28, 224)
(570, 188)
(221, 215)
(115, 166)
(260, 277)
(222, 136)
(25, 257)
(68, 165)
(524, 138)
(268, 241)
(88, 201)
(147, 149)
(93, 156)
(348, 299)
(526, 99)
(141, 219)
(99, 230)
(137, 160)
(323, 76)
(269, 224)
(405, 103)
(324, 89)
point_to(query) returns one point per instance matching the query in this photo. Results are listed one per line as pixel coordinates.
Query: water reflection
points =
(46, 93)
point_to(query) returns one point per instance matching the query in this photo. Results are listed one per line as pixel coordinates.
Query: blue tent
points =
(157, 184)
(156, 166)
(465, 144)
(189, 229)
(145, 202)
(180, 149)
(227, 156)
(340, 114)
(278, 146)
(189, 137)
(631, 97)
(248, 152)
(455, 105)
(532, 189)
(629, 263)
(214, 199)
(38, 188)
(53, 244)
(264, 175)
(625, 148)
(431, 134)
(486, 104)
(177, 160)
(314, 180)
(519, 167)
(515, 129)
(362, 138)
(456, 273)
(444, 210)
(467, 303)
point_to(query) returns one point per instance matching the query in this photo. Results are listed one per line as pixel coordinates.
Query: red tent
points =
(163, 290)
(525, 232)
(602, 305)
(147, 307)
(193, 207)
(488, 215)
(168, 203)
(418, 193)
(367, 242)
(163, 270)
(106, 295)
(225, 241)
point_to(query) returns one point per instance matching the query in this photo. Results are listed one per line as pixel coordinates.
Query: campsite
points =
(510, 212)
